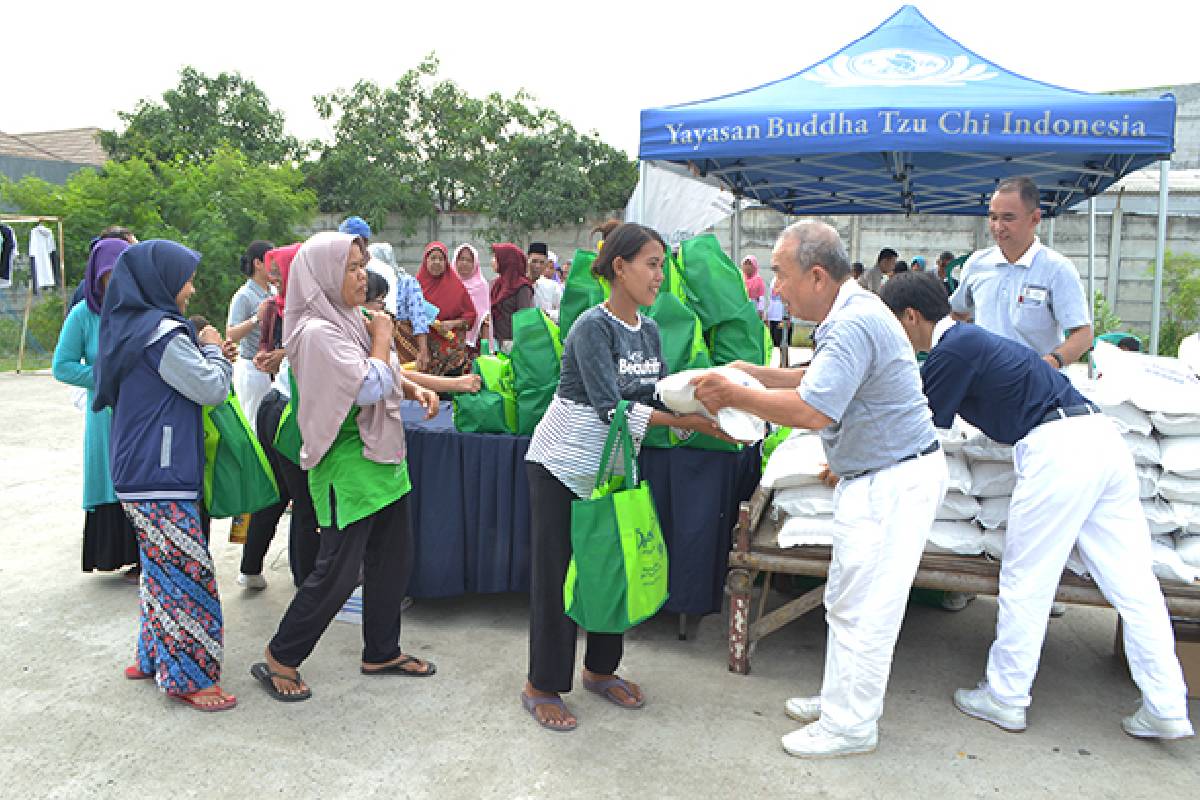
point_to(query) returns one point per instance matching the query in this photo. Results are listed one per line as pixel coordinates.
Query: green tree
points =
(1181, 288)
(216, 207)
(200, 115)
(424, 145)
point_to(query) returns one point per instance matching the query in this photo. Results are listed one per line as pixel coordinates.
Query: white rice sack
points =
(1160, 516)
(957, 538)
(1180, 455)
(1187, 547)
(1179, 489)
(1189, 517)
(1176, 424)
(797, 461)
(801, 531)
(803, 501)
(1189, 353)
(958, 506)
(1145, 449)
(992, 479)
(960, 475)
(677, 394)
(1167, 563)
(978, 447)
(1148, 476)
(1155, 383)
(993, 513)
(952, 438)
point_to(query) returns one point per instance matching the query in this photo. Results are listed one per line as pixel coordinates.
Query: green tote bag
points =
(493, 409)
(618, 571)
(582, 291)
(238, 479)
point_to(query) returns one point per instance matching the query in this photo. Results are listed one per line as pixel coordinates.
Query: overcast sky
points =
(75, 64)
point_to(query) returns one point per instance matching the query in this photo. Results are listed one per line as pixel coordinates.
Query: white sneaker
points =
(981, 704)
(1145, 725)
(803, 709)
(256, 582)
(813, 741)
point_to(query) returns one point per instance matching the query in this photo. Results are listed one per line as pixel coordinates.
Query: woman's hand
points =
(468, 384)
(209, 335)
(422, 356)
(379, 325)
(698, 423)
(428, 399)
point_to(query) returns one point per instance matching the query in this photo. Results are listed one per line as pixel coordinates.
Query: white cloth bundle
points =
(801, 531)
(958, 506)
(677, 394)
(958, 538)
(992, 479)
(797, 461)
(803, 501)
(993, 512)
(1180, 455)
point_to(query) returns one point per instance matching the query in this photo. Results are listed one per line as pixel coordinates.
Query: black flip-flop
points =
(262, 673)
(397, 668)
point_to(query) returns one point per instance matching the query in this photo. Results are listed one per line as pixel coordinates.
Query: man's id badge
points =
(1033, 296)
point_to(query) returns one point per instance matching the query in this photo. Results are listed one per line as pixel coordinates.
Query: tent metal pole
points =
(735, 244)
(641, 206)
(1164, 172)
(1050, 238)
(1091, 293)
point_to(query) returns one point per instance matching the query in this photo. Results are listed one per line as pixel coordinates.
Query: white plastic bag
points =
(797, 461)
(992, 479)
(958, 538)
(958, 506)
(803, 501)
(1145, 449)
(993, 512)
(1179, 489)
(677, 394)
(801, 531)
(1180, 455)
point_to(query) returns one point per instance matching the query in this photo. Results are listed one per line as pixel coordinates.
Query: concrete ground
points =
(72, 727)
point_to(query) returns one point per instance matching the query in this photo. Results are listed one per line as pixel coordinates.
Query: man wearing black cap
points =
(547, 293)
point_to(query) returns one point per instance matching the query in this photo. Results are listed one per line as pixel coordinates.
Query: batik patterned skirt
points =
(181, 633)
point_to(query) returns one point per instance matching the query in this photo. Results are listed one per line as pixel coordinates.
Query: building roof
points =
(74, 145)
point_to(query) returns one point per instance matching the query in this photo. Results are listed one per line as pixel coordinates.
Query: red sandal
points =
(135, 674)
(191, 698)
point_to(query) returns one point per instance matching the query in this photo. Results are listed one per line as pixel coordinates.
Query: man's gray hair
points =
(811, 243)
(1023, 186)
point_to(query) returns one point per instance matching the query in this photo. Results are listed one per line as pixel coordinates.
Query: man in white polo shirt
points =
(1021, 289)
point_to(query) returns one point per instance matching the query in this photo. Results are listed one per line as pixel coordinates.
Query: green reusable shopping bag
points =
(683, 348)
(715, 287)
(493, 409)
(237, 476)
(537, 350)
(618, 571)
(532, 405)
(583, 290)
(744, 337)
(773, 440)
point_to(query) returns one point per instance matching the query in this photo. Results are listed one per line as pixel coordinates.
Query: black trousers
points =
(382, 547)
(776, 332)
(303, 541)
(552, 633)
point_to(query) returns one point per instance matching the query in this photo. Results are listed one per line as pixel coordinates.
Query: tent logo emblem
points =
(895, 66)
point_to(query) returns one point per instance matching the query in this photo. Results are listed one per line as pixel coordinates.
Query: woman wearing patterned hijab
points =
(347, 405)
(109, 541)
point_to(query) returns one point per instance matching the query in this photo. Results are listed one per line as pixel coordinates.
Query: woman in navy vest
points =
(156, 372)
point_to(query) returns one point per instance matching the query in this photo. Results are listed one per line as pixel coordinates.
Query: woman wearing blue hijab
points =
(109, 542)
(156, 373)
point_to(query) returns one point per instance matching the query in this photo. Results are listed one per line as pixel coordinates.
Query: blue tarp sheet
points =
(907, 120)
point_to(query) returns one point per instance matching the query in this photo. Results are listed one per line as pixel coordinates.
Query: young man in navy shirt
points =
(1076, 486)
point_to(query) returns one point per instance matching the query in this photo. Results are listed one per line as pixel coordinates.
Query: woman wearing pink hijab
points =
(347, 406)
(466, 264)
(755, 286)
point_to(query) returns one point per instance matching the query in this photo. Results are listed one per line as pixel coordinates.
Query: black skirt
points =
(109, 541)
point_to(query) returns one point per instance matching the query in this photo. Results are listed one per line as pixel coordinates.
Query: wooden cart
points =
(756, 550)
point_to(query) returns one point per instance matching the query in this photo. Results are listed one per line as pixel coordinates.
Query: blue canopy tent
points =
(906, 120)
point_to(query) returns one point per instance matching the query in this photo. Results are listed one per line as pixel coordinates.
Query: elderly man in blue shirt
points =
(862, 391)
(1076, 487)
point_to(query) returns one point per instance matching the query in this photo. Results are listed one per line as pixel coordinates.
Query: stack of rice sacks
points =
(1155, 402)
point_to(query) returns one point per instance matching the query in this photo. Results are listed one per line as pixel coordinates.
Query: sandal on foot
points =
(397, 668)
(134, 673)
(227, 702)
(605, 688)
(262, 673)
(531, 703)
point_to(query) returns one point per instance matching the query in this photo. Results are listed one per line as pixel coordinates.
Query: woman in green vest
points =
(347, 406)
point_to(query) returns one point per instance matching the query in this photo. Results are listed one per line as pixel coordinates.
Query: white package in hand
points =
(797, 461)
(677, 393)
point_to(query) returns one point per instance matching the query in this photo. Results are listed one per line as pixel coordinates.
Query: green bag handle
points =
(618, 428)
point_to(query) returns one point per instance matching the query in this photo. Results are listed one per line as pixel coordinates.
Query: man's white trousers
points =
(881, 522)
(1076, 485)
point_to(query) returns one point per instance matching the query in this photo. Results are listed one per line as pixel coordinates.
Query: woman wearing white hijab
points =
(347, 405)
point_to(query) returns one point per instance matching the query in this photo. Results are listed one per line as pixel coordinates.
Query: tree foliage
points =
(1181, 288)
(199, 116)
(424, 145)
(216, 207)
